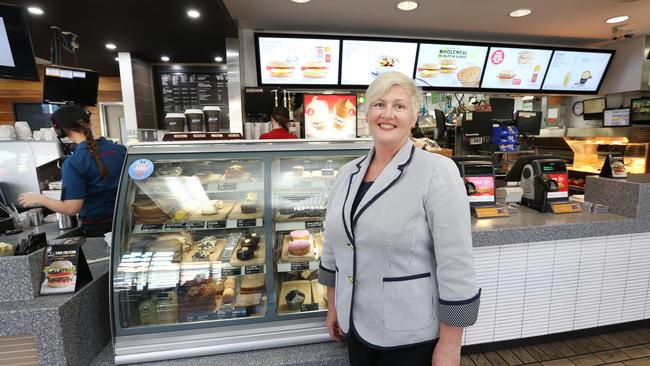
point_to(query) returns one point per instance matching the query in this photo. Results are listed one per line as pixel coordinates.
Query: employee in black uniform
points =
(90, 175)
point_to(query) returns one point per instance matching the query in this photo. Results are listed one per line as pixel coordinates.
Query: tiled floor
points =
(624, 348)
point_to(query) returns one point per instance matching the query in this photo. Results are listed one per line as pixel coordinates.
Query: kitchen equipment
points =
(478, 175)
(66, 221)
(35, 216)
(544, 180)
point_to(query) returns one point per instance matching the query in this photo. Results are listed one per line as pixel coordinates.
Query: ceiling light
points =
(117, 59)
(193, 13)
(111, 46)
(617, 19)
(300, 1)
(520, 13)
(218, 58)
(35, 10)
(407, 5)
(164, 59)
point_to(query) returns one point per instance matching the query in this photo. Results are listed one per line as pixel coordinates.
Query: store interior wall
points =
(19, 91)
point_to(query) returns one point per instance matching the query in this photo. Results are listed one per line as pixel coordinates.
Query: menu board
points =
(298, 60)
(179, 91)
(619, 117)
(515, 68)
(576, 71)
(364, 60)
(451, 66)
(330, 116)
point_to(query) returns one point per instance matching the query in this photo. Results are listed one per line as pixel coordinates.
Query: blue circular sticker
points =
(141, 169)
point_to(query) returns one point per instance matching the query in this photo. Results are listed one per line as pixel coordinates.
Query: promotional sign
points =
(64, 267)
(576, 71)
(619, 117)
(364, 60)
(515, 68)
(452, 66)
(484, 189)
(298, 60)
(330, 116)
(562, 180)
(141, 169)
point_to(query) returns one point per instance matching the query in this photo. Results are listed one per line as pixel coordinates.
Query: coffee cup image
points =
(586, 75)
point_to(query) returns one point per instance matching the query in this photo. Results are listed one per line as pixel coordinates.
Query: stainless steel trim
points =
(599, 132)
(144, 348)
(248, 146)
(234, 86)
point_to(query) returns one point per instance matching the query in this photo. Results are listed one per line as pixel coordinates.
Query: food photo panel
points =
(363, 61)
(451, 66)
(330, 116)
(515, 68)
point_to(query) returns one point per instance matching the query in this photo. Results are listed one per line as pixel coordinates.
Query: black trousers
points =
(361, 354)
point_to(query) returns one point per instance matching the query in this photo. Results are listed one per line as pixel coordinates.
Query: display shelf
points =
(197, 226)
(209, 188)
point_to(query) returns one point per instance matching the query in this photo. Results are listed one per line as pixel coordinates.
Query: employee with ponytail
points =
(280, 121)
(90, 175)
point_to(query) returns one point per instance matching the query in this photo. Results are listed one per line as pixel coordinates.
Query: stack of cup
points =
(175, 122)
(212, 117)
(194, 120)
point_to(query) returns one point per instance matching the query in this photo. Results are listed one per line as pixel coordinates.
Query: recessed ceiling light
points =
(407, 5)
(520, 13)
(193, 13)
(300, 1)
(218, 58)
(35, 10)
(617, 19)
(164, 59)
(111, 46)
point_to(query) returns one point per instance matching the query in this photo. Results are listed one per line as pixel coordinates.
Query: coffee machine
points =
(544, 180)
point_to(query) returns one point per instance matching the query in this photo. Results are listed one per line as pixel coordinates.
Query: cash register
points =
(544, 180)
(478, 175)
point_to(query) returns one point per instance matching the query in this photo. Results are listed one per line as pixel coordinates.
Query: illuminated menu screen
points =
(515, 68)
(364, 60)
(452, 66)
(330, 116)
(298, 61)
(576, 71)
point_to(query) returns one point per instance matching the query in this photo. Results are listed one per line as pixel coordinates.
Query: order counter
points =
(540, 273)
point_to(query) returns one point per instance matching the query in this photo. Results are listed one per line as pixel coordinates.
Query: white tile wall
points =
(539, 288)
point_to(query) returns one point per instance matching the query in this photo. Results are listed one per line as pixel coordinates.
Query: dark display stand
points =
(191, 87)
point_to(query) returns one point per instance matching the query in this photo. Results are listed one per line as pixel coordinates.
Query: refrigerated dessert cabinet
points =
(203, 260)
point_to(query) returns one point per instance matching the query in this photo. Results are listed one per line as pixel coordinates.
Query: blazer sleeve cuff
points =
(326, 276)
(461, 313)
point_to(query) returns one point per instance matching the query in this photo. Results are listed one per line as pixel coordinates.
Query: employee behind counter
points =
(90, 175)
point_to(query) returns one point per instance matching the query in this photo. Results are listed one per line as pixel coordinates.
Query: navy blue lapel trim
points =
(401, 170)
(348, 232)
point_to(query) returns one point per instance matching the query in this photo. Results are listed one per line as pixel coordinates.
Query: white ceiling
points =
(560, 22)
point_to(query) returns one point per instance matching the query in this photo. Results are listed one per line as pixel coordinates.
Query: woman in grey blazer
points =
(397, 257)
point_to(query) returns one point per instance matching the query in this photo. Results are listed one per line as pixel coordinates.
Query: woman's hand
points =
(447, 351)
(332, 318)
(30, 199)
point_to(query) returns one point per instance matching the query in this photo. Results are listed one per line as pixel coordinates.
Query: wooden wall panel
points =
(18, 91)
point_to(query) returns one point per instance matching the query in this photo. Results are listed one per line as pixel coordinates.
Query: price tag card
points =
(220, 224)
(313, 224)
(560, 208)
(226, 186)
(299, 266)
(253, 269)
(246, 222)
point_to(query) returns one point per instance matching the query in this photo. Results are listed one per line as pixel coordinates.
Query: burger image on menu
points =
(60, 274)
(428, 70)
(506, 76)
(314, 69)
(279, 69)
(448, 65)
(525, 58)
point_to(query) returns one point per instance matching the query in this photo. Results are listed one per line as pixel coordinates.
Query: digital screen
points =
(330, 116)
(616, 117)
(515, 68)
(451, 66)
(362, 61)
(298, 60)
(63, 85)
(640, 110)
(594, 106)
(576, 71)
(562, 180)
(6, 57)
(484, 189)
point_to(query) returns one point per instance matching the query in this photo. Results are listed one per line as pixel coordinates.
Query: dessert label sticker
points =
(330, 116)
(141, 169)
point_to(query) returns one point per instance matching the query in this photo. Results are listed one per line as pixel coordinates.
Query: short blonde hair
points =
(389, 79)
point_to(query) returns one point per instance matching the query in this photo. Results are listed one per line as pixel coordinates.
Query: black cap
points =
(68, 116)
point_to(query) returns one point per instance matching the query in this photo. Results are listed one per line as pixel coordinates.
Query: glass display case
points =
(215, 241)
